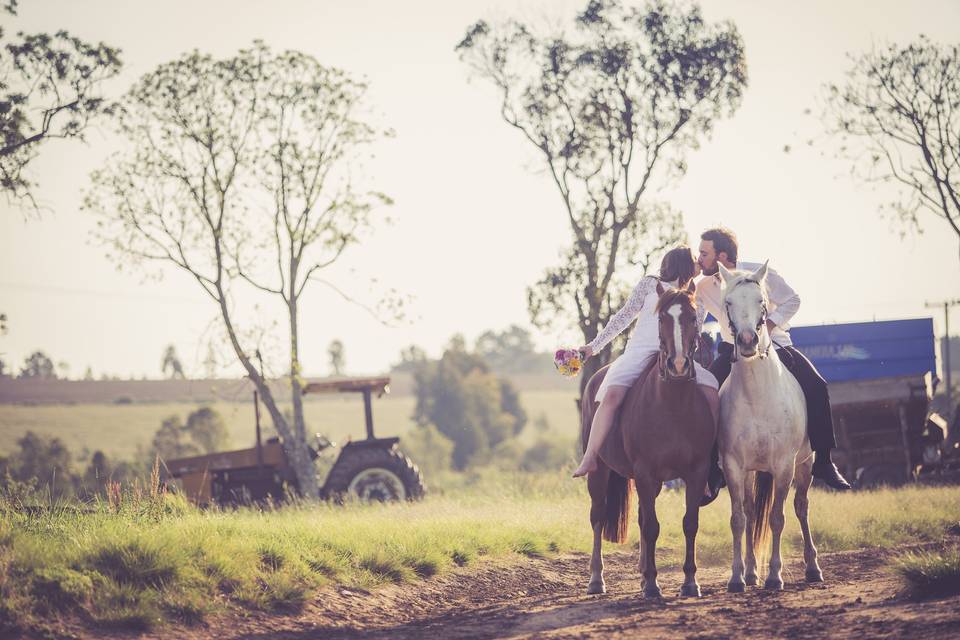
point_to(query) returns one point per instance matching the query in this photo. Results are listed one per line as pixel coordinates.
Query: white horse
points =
(763, 435)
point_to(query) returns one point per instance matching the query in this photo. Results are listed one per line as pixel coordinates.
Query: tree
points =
(38, 365)
(169, 441)
(508, 351)
(897, 118)
(88, 374)
(206, 429)
(469, 405)
(210, 362)
(610, 108)
(243, 171)
(335, 352)
(411, 358)
(49, 88)
(45, 460)
(171, 366)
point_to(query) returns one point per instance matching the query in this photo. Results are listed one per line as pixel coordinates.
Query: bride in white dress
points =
(676, 270)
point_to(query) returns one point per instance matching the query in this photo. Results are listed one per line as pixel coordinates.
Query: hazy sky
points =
(475, 220)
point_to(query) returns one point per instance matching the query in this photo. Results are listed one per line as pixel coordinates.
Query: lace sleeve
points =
(701, 316)
(622, 318)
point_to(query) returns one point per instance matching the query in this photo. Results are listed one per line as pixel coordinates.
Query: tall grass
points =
(930, 573)
(155, 559)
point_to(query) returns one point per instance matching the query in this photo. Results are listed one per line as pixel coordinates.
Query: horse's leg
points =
(597, 486)
(781, 487)
(691, 523)
(647, 490)
(801, 505)
(736, 479)
(750, 510)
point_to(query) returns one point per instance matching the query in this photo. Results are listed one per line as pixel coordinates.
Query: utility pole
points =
(946, 304)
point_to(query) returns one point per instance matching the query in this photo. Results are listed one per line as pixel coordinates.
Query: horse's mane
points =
(672, 296)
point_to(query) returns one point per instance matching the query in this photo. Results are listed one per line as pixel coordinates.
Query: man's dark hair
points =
(723, 240)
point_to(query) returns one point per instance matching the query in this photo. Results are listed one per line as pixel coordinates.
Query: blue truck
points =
(881, 376)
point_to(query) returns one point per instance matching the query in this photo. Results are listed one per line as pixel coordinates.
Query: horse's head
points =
(744, 301)
(677, 314)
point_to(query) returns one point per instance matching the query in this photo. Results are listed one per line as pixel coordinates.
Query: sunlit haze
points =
(475, 221)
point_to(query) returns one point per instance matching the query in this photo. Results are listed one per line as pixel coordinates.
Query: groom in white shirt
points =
(720, 246)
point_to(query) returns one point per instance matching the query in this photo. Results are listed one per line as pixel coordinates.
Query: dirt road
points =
(545, 598)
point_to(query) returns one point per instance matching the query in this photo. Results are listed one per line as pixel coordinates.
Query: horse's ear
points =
(761, 273)
(659, 288)
(691, 286)
(725, 274)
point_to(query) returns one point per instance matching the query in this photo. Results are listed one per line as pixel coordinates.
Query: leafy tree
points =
(612, 108)
(467, 404)
(335, 352)
(510, 351)
(171, 366)
(411, 358)
(897, 118)
(170, 442)
(206, 429)
(429, 449)
(243, 171)
(101, 470)
(45, 460)
(49, 88)
(38, 365)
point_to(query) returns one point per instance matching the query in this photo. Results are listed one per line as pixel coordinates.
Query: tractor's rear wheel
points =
(375, 474)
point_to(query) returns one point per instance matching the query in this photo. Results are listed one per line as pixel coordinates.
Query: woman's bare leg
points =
(600, 427)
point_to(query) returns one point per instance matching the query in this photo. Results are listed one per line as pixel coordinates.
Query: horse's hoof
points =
(653, 593)
(814, 575)
(596, 587)
(751, 580)
(773, 584)
(735, 587)
(690, 591)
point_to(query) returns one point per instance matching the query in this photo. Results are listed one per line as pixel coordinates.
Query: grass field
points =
(157, 560)
(119, 429)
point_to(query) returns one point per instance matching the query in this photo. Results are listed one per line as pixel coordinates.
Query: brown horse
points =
(665, 429)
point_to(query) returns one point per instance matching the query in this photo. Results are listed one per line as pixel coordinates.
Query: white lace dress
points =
(644, 343)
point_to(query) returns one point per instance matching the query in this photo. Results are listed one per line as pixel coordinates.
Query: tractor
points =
(371, 469)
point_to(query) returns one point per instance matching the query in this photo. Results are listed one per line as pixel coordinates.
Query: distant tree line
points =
(45, 464)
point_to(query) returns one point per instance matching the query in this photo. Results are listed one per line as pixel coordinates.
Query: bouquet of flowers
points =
(568, 361)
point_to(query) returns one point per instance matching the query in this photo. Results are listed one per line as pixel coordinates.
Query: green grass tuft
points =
(139, 562)
(386, 567)
(930, 574)
(57, 588)
(271, 557)
(461, 557)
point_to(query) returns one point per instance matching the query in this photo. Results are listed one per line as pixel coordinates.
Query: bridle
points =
(763, 321)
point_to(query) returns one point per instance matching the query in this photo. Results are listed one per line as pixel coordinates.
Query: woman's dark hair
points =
(678, 265)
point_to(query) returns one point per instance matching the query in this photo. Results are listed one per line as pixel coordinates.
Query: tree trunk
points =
(296, 449)
(296, 388)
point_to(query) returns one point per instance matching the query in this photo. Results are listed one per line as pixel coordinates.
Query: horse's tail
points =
(763, 494)
(618, 508)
